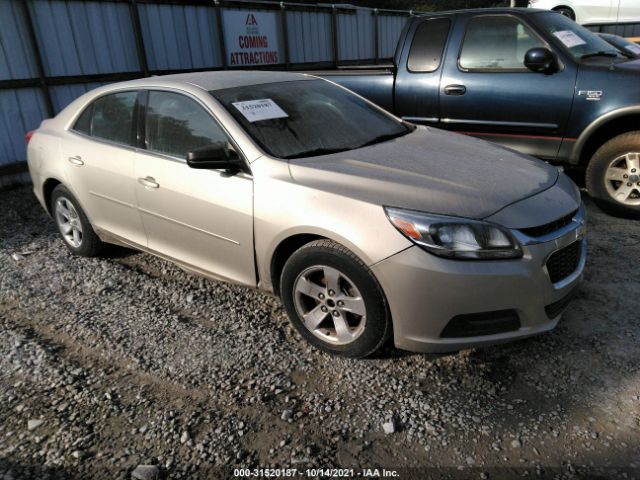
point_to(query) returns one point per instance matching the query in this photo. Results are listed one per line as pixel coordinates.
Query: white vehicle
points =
(593, 12)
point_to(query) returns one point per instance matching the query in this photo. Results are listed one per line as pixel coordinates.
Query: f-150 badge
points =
(591, 94)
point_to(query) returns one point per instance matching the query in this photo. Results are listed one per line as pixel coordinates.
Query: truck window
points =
(496, 43)
(428, 44)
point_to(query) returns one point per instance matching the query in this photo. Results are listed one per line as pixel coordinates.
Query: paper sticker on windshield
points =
(633, 48)
(256, 110)
(569, 38)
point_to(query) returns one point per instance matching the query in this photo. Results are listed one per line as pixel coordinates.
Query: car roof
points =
(218, 80)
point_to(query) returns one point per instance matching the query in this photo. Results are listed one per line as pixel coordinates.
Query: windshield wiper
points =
(326, 151)
(601, 53)
(316, 152)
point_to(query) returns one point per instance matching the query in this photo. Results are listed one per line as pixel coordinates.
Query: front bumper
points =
(426, 292)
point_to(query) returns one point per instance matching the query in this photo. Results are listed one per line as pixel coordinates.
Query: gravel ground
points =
(107, 364)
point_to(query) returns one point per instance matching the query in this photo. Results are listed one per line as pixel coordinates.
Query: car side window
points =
(428, 44)
(83, 124)
(112, 118)
(177, 124)
(496, 43)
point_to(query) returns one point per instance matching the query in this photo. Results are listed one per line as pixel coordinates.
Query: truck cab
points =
(531, 80)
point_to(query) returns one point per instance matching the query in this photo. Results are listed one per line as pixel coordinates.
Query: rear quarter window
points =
(112, 117)
(83, 124)
(428, 44)
(109, 117)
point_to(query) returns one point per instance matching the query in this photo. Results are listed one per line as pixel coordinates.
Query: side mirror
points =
(214, 157)
(540, 60)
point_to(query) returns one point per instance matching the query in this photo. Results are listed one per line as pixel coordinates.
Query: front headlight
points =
(454, 237)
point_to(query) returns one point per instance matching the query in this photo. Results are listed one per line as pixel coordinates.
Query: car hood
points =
(631, 65)
(429, 170)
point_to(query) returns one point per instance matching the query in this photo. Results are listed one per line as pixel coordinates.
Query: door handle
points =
(455, 90)
(148, 182)
(76, 160)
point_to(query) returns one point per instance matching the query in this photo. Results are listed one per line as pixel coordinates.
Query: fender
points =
(594, 126)
(265, 275)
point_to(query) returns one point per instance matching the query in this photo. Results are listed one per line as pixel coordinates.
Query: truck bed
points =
(374, 82)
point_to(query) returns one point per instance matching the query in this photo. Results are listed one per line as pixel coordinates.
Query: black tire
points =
(89, 245)
(566, 11)
(596, 180)
(377, 327)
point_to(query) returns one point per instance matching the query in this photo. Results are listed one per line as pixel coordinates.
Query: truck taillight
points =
(28, 136)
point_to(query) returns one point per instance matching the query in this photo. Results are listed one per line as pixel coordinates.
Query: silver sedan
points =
(369, 229)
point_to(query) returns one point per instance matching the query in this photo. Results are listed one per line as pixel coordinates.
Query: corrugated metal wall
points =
(52, 51)
(63, 95)
(356, 35)
(22, 110)
(16, 52)
(389, 29)
(83, 38)
(180, 37)
(309, 34)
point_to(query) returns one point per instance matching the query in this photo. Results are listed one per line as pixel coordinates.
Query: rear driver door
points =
(418, 81)
(99, 152)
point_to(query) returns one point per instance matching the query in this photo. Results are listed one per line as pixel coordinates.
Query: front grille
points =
(550, 227)
(564, 262)
(485, 323)
(556, 308)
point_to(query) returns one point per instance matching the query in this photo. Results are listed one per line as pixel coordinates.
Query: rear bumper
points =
(426, 292)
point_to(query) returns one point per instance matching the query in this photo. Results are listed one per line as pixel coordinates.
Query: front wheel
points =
(334, 301)
(613, 175)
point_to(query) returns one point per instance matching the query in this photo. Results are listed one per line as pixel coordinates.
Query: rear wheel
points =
(73, 225)
(613, 175)
(566, 11)
(334, 300)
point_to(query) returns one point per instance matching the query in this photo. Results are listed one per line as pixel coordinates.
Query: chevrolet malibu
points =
(367, 227)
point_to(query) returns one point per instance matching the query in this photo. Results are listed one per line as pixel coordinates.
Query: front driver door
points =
(486, 90)
(202, 218)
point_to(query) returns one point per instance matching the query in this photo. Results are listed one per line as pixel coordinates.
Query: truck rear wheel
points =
(613, 175)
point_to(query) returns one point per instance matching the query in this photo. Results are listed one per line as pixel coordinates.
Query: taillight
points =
(28, 136)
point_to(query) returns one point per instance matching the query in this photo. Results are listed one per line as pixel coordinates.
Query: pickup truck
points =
(531, 80)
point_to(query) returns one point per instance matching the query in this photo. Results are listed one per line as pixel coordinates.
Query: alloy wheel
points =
(69, 222)
(329, 305)
(622, 179)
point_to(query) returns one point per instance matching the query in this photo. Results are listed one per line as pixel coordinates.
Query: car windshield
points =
(625, 46)
(575, 39)
(306, 118)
